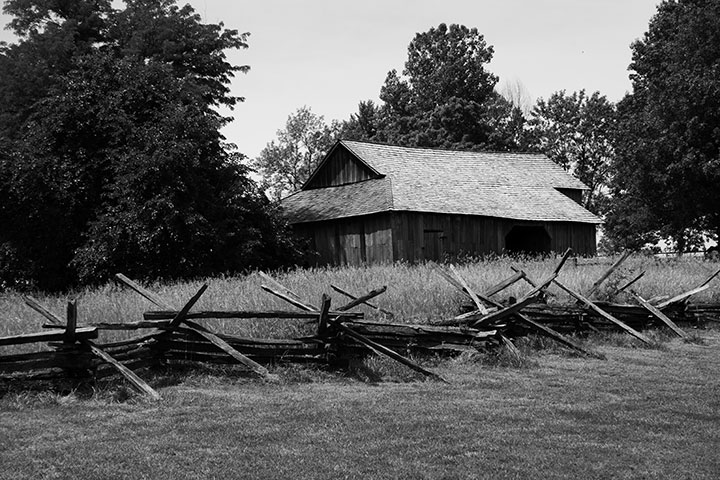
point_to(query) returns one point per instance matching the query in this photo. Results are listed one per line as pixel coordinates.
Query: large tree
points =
(577, 132)
(444, 98)
(110, 152)
(667, 167)
(284, 164)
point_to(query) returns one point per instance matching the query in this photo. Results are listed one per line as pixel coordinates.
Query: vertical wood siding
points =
(351, 241)
(581, 237)
(430, 236)
(340, 169)
(413, 236)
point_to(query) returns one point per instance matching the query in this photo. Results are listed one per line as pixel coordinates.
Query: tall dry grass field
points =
(416, 293)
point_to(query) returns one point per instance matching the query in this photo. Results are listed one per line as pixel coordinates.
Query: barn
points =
(369, 203)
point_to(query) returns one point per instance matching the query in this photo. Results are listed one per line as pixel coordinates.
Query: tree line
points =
(111, 156)
(650, 161)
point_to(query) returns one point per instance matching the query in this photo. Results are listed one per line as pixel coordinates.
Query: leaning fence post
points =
(605, 315)
(659, 315)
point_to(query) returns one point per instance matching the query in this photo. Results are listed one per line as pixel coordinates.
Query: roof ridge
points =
(441, 149)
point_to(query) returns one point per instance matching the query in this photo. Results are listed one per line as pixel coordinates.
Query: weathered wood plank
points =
(608, 272)
(555, 335)
(495, 289)
(360, 300)
(353, 297)
(153, 298)
(136, 381)
(143, 324)
(56, 360)
(71, 322)
(290, 342)
(414, 329)
(480, 306)
(126, 354)
(659, 315)
(291, 301)
(279, 286)
(323, 319)
(682, 296)
(105, 370)
(413, 337)
(500, 314)
(234, 314)
(201, 345)
(562, 261)
(527, 299)
(381, 349)
(558, 337)
(605, 315)
(463, 318)
(710, 278)
(630, 283)
(524, 275)
(35, 305)
(511, 347)
(452, 281)
(130, 341)
(49, 374)
(287, 359)
(227, 348)
(24, 357)
(180, 317)
(50, 336)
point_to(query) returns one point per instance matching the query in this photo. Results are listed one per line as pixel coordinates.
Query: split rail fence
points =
(178, 336)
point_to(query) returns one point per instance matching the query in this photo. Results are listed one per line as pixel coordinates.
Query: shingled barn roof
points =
(517, 186)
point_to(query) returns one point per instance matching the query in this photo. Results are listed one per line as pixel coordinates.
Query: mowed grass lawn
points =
(642, 413)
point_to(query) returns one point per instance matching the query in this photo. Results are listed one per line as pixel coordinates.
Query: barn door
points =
(433, 244)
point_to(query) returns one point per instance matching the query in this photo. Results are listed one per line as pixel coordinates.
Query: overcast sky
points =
(331, 54)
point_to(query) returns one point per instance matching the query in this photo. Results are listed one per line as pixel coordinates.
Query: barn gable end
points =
(340, 167)
(573, 193)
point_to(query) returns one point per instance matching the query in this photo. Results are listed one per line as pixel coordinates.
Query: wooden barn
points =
(372, 203)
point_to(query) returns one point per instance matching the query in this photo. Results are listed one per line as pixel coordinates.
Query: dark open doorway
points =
(433, 245)
(527, 239)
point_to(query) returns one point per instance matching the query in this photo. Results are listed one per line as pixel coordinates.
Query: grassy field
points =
(416, 293)
(642, 413)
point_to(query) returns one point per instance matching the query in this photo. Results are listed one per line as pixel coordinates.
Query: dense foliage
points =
(577, 132)
(284, 164)
(667, 168)
(110, 152)
(445, 98)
